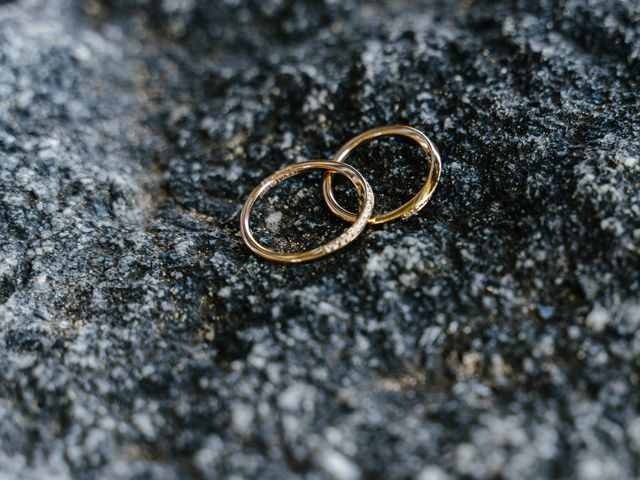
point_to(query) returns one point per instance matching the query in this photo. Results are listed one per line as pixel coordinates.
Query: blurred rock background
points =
(495, 335)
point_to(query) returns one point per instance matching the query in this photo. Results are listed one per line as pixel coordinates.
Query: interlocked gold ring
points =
(359, 223)
(414, 205)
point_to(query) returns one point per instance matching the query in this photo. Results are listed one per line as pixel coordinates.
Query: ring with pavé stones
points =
(366, 201)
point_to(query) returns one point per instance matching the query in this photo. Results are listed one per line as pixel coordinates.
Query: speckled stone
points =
(494, 335)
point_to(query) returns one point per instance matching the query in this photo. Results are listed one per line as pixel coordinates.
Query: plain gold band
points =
(414, 205)
(359, 222)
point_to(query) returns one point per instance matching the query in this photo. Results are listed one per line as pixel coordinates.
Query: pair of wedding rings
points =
(365, 193)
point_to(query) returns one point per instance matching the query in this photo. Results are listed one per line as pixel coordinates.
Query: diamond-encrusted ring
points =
(365, 195)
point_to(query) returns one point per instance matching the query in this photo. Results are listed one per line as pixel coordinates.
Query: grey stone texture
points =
(494, 335)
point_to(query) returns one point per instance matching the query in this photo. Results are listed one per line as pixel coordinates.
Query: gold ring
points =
(414, 205)
(360, 221)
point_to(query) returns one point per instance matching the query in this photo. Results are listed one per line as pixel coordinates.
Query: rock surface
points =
(495, 335)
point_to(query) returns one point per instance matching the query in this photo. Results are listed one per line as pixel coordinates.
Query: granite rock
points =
(494, 335)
